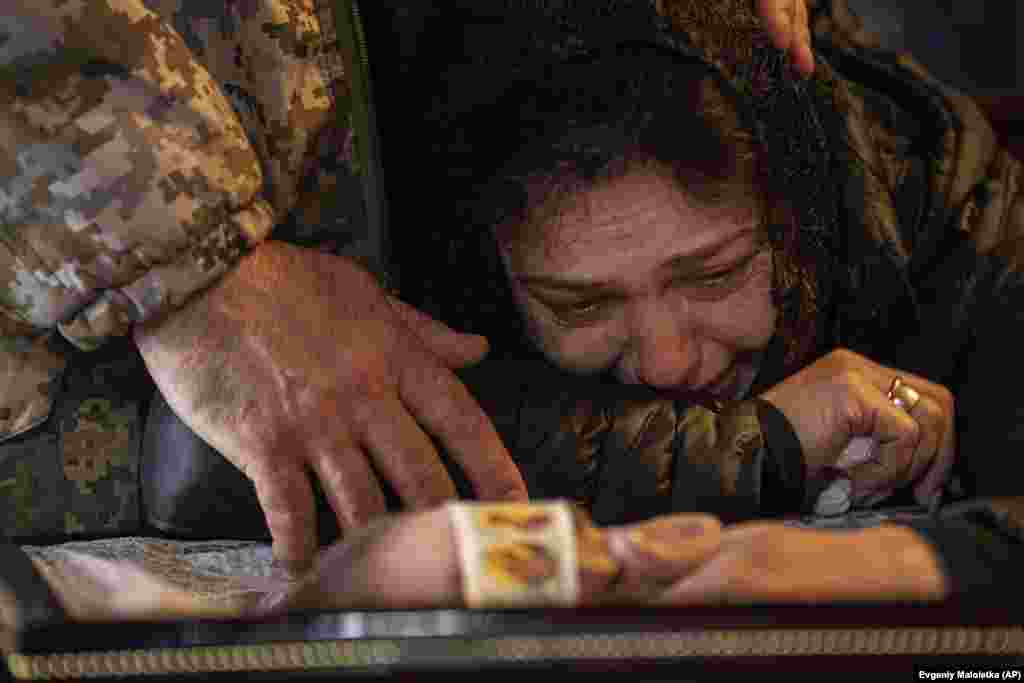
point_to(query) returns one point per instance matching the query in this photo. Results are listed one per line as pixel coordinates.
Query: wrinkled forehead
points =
(642, 214)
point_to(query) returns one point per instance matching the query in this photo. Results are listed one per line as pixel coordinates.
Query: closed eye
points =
(720, 280)
(579, 313)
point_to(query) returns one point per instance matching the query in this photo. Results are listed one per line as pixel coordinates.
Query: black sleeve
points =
(981, 553)
(783, 474)
(976, 321)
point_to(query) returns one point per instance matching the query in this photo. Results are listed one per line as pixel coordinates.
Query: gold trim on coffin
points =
(362, 654)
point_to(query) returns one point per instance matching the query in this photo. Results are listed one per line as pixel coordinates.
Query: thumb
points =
(778, 17)
(455, 349)
(897, 436)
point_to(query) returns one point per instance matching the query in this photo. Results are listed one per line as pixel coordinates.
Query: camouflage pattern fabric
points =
(77, 473)
(145, 146)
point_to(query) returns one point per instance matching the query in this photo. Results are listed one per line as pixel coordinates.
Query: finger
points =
(286, 497)
(455, 349)
(372, 570)
(937, 409)
(404, 455)
(932, 424)
(710, 584)
(803, 56)
(348, 482)
(726, 577)
(444, 406)
(882, 377)
(900, 439)
(888, 471)
(938, 473)
(663, 551)
(778, 18)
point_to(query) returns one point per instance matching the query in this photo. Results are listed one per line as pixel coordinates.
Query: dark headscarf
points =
(795, 122)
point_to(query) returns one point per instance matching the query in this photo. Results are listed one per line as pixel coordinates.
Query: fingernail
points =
(665, 540)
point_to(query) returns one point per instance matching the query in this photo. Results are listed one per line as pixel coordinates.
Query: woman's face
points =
(636, 278)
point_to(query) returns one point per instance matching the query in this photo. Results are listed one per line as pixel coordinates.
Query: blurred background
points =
(971, 45)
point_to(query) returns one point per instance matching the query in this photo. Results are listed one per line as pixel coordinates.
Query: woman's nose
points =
(666, 355)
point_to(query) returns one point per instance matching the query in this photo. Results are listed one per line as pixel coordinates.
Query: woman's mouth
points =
(721, 388)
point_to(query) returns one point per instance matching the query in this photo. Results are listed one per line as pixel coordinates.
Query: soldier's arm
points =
(143, 151)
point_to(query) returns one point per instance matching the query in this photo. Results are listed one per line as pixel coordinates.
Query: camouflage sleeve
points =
(144, 146)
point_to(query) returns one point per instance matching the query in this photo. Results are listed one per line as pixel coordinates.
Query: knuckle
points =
(843, 357)
(424, 377)
(928, 410)
(358, 380)
(331, 478)
(851, 409)
(851, 379)
(510, 488)
(442, 411)
(446, 402)
(255, 433)
(257, 465)
(466, 424)
(915, 433)
(501, 485)
(279, 489)
(945, 399)
(930, 417)
(285, 515)
(364, 410)
(371, 409)
(430, 487)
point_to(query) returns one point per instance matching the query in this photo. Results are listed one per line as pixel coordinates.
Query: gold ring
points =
(901, 395)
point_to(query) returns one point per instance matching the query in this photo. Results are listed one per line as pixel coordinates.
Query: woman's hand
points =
(769, 562)
(788, 23)
(843, 396)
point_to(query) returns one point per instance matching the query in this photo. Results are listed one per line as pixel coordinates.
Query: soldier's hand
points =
(297, 362)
